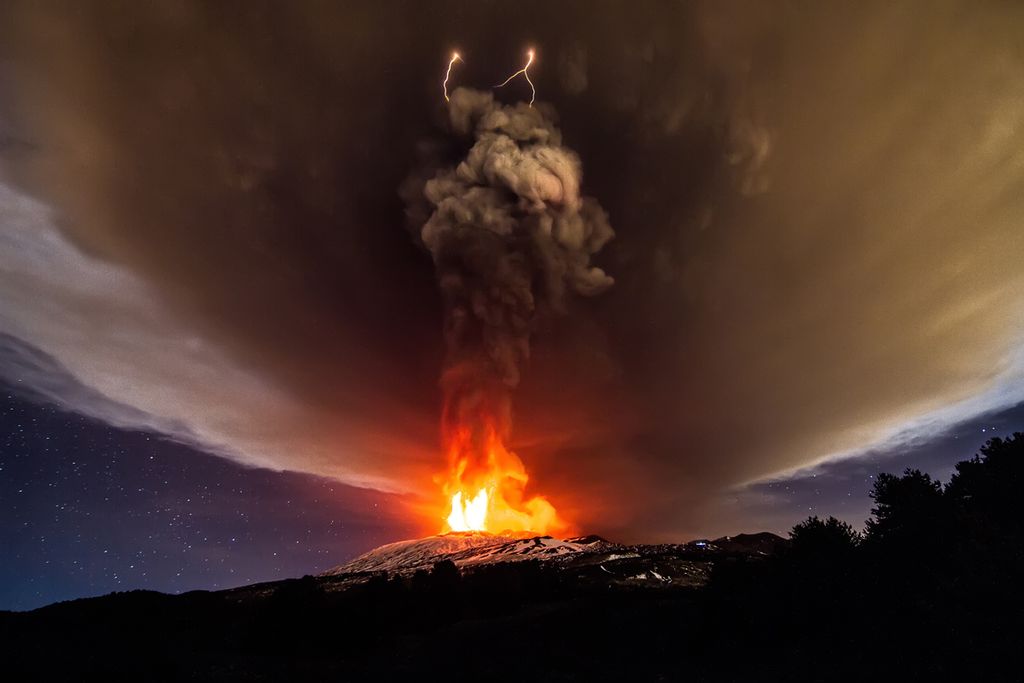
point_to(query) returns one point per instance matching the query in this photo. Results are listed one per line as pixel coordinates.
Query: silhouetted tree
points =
(986, 490)
(445, 574)
(988, 530)
(909, 511)
(830, 537)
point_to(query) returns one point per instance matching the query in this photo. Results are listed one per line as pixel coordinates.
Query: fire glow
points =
(486, 484)
(507, 244)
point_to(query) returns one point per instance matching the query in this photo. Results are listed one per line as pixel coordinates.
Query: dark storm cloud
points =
(818, 239)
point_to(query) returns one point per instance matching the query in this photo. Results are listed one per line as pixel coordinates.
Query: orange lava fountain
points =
(486, 483)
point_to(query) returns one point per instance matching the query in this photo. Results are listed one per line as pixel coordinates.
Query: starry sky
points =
(88, 509)
(217, 321)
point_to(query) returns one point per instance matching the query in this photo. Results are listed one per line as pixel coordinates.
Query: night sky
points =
(88, 509)
(221, 331)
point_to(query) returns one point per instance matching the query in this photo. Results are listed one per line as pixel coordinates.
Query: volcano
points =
(404, 611)
(466, 549)
(586, 559)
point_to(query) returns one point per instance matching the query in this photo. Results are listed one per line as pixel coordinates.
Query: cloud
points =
(508, 231)
(816, 210)
(94, 338)
(572, 69)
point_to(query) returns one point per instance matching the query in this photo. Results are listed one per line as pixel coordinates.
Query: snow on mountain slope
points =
(537, 548)
(468, 549)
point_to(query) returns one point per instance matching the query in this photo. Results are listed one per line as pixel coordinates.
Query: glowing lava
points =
(486, 485)
(470, 515)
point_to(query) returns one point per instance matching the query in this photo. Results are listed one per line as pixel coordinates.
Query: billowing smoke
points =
(509, 232)
(510, 236)
(824, 243)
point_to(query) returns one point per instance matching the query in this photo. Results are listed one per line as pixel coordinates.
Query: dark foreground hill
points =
(440, 607)
(931, 591)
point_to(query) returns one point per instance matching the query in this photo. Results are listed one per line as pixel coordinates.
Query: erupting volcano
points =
(486, 481)
(501, 213)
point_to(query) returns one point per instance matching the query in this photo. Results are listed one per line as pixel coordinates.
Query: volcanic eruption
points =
(510, 235)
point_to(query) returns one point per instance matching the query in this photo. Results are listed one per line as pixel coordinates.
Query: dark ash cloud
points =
(817, 213)
(508, 230)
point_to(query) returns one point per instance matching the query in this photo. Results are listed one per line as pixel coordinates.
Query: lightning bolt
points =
(526, 75)
(448, 73)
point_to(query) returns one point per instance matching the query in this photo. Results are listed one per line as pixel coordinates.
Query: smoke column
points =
(510, 236)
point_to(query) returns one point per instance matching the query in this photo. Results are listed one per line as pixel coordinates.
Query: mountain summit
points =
(590, 559)
(470, 548)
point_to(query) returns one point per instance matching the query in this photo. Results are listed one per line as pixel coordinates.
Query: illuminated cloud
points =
(818, 244)
(95, 339)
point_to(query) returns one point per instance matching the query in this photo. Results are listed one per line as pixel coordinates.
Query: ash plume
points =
(824, 242)
(510, 235)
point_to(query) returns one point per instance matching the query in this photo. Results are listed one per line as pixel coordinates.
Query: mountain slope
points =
(468, 548)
